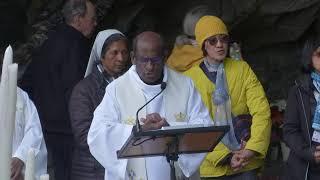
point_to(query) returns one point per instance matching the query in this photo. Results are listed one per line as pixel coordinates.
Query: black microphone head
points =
(163, 85)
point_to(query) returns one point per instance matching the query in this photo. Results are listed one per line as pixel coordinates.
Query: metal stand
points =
(172, 156)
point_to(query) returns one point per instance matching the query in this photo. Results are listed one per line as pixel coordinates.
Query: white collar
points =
(146, 87)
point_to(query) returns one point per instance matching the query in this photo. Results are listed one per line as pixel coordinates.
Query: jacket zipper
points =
(305, 116)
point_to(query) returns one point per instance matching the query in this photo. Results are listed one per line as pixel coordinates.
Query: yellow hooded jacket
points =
(247, 97)
(184, 57)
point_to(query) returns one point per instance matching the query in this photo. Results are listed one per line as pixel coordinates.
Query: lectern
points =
(171, 142)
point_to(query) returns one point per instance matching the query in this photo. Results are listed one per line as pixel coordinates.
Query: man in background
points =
(56, 68)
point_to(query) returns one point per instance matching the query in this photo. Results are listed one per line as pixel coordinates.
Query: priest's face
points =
(149, 58)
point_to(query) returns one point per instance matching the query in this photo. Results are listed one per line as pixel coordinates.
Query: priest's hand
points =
(16, 169)
(153, 121)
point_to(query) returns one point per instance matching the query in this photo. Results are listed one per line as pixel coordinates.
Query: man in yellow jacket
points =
(230, 88)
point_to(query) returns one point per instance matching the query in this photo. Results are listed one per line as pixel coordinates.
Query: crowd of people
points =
(85, 103)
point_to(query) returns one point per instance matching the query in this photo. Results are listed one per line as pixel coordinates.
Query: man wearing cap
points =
(230, 88)
(114, 118)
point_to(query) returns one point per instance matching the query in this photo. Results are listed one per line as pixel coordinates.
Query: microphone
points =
(163, 87)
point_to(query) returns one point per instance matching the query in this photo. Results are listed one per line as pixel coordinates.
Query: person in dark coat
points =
(56, 68)
(301, 126)
(108, 60)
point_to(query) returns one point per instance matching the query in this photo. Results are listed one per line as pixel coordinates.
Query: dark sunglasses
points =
(153, 60)
(222, 38)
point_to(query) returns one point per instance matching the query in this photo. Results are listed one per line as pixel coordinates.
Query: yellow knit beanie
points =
(208, 26)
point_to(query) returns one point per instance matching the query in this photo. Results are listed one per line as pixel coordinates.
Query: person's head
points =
(212, 36)
(192, 17)
(81, 15)
(311, 55)
(111, 51)
(149, 57)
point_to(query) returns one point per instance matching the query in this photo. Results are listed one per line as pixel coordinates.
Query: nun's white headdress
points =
(97, 47)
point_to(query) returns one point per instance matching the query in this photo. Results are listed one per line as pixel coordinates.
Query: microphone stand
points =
(138, 126)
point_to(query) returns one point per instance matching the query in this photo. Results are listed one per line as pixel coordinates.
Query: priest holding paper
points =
(114, 118)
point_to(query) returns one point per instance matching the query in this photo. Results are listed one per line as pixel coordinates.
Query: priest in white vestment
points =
(114, 118)
(27, 135)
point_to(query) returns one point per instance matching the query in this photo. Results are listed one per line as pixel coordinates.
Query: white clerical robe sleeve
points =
(198, 114)
(107, 135)
(31, 135)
